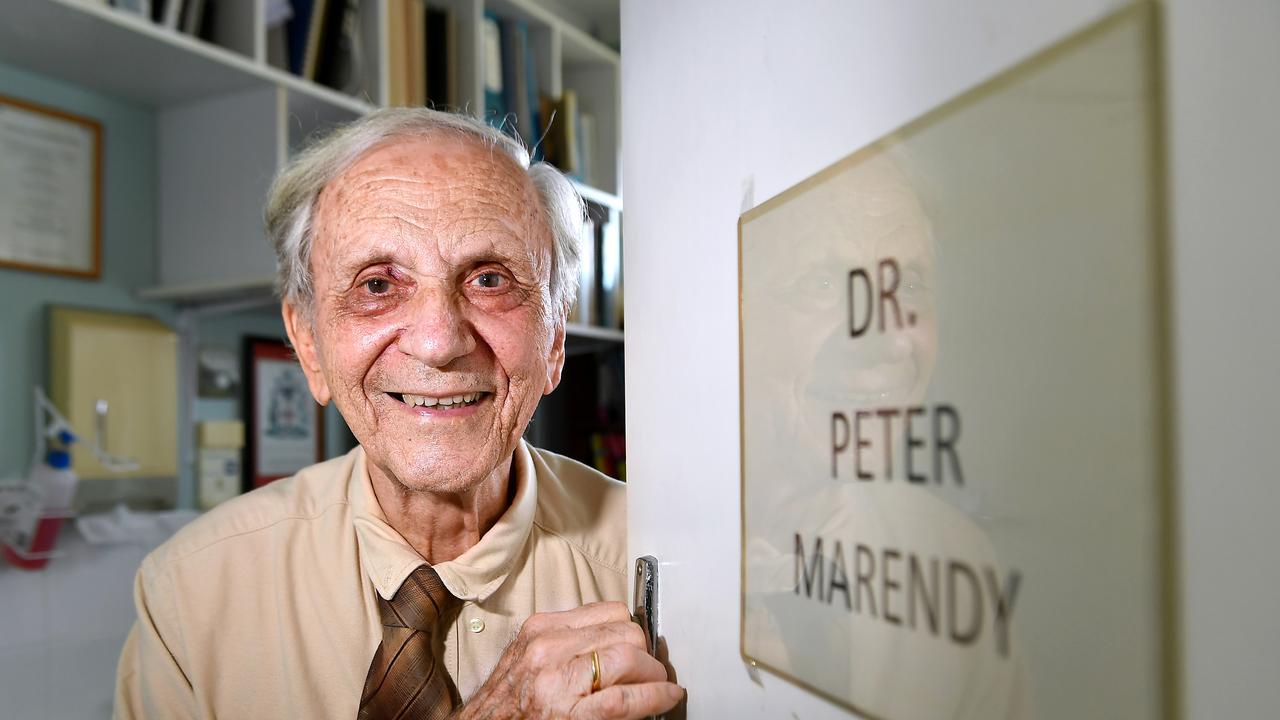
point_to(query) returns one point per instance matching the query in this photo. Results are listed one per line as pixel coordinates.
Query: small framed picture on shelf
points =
(286, 425)
(50, 190)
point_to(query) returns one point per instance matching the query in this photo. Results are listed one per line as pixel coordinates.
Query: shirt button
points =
(476, 625)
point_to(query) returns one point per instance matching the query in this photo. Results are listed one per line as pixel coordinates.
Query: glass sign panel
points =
(953, 452)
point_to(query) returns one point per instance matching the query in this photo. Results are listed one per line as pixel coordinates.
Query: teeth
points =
(424, 401)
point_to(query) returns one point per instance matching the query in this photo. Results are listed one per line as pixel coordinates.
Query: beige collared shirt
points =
(265, 608)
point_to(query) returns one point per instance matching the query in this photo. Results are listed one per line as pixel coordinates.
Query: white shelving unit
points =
(227, 120)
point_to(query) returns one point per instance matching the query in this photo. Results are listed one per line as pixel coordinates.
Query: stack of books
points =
(315, 39)
(193, 17)
(511, 86)
(318, 40)
(515, 101)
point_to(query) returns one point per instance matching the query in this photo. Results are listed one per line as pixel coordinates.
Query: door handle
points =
(644, 603)
(645, 600)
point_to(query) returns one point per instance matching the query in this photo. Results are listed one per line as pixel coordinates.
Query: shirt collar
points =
(475, 574)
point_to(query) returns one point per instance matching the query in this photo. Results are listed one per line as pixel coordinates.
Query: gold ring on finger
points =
(595, 671)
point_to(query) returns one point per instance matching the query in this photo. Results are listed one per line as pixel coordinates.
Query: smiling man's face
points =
(434, 331)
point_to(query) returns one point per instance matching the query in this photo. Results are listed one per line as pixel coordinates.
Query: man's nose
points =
(436, 333)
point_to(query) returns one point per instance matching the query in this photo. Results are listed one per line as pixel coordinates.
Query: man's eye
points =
(377, 286)
(489, 280)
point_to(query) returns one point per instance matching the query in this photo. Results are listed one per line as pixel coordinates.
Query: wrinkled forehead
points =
(440, 175)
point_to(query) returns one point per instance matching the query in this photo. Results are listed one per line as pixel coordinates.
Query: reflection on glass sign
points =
(951, 387)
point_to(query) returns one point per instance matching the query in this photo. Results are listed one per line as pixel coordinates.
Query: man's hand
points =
(546, 672)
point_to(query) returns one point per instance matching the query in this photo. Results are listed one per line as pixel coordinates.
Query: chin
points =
(431, 474)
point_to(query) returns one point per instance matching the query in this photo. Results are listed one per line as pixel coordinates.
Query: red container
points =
(46, 535)
(57, 484)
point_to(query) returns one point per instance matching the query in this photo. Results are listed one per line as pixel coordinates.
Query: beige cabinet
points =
(115, 377)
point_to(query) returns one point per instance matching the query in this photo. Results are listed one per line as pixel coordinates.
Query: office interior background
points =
(158, 297)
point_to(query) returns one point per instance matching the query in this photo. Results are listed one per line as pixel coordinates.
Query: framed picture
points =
(50, 190)
(286, 426)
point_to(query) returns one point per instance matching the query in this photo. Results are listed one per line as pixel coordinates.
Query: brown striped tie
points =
(406, 678)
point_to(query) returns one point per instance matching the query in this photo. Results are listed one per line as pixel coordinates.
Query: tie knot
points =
(420, 603)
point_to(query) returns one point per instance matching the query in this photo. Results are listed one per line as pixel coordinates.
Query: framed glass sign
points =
(954, 432)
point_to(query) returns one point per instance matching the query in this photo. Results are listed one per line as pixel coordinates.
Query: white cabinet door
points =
(725, 105)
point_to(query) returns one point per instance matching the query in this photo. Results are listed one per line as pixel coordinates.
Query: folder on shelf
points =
(495, 102)
(560, 144)
(311, 52)
(193, 16)
(339, 65)
(609, 270)
(587, 134)
(569, 152)
(278, 47)
(531, 99)
(515, 35)
(520, 78)
(416, 50)
(397, 55)
(584, 307)
(171, 15)
(297, 29)
(527, 91)
(440, 70)
(278, 14)
(303, 34)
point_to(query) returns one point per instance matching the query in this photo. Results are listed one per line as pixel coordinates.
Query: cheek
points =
(520, 346)
(351, 347)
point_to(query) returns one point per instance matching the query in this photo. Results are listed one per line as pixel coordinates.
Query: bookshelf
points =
(250, 115)
(228, 116)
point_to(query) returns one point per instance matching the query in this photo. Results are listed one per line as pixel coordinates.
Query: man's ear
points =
(555, 359)
(302, 337)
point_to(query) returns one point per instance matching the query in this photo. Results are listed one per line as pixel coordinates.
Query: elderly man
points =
(444, 568)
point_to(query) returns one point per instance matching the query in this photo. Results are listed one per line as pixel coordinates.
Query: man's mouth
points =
(440, 402)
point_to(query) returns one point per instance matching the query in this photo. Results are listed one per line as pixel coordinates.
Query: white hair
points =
(291, 203)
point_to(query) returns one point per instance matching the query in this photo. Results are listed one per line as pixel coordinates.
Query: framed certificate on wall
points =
(285, 423)
(50, 190)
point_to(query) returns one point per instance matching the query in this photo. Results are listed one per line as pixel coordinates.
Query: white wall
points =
(1224, 121)
(726, 103)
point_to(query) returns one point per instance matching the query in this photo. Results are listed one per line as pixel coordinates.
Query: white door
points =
(727, 104)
